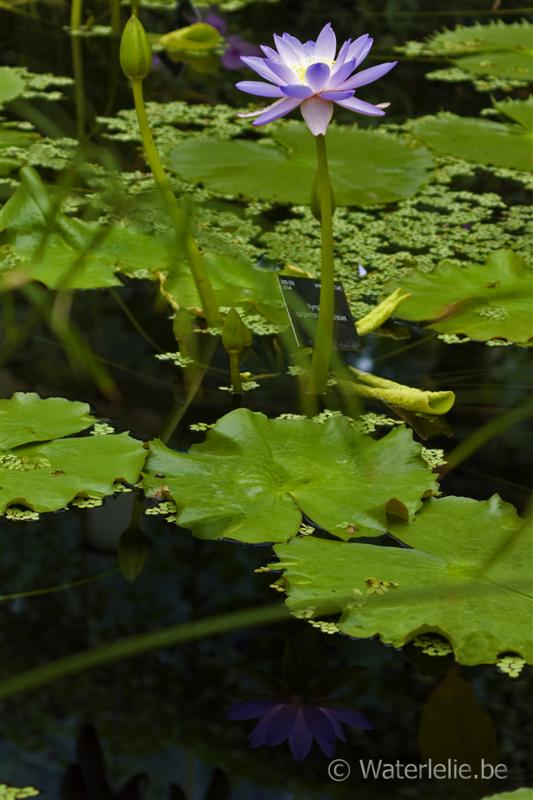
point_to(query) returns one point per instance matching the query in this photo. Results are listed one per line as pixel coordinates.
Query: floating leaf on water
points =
(253, 478)
(11, 85)
(481, 301)
(26, 418)
(48, 475)
(467, 577)
(8, 792)
(479, 140)
(366, 168)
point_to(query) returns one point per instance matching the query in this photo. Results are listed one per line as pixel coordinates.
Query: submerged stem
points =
(324, 333)
(141, 643)
(194, 256)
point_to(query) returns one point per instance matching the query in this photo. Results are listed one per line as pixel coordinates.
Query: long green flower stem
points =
(194, 256)
(324, 333)
(134, 645)
(77, 66)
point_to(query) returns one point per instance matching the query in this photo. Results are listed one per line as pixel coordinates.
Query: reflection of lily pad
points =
(479, 140)
(468, 578)
(253, 478)
(482, 301)
(366, 167)
(47, 476)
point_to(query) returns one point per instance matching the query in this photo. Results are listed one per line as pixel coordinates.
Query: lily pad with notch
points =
(466, 575)
(254, 478)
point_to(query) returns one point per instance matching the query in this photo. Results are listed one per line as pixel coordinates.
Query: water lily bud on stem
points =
(135, 50)
(235, 334)
(133, 550)
(235, 337)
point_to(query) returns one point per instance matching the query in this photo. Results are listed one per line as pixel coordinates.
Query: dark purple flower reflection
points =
(282, 720)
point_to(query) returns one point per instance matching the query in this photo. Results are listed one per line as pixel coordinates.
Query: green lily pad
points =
(47, 476)
(518, 794)
(482, 301)
(479, 140)
(366, 167)
(475, 38)
(514, 65)
(467, 577)
(520, 111)
(253, 478)
(236, 283)
(11, 85)
(26, 418)
(75, 254)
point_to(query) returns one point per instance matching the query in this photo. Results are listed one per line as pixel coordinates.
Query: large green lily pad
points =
(26, 418)
(47, 476)
(253, 478)
(235, 283)
(481, 141)
(467, 577)
(69, 253)
(366, 167)
(483, 301)
(514, 65)
(479, 37)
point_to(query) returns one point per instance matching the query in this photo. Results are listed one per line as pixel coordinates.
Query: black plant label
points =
(302, 299)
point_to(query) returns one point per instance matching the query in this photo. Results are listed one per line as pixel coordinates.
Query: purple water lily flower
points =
(311, 76)
(282, 719)
(236, 48)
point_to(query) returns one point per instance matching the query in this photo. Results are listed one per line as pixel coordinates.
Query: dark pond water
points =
(163, 714)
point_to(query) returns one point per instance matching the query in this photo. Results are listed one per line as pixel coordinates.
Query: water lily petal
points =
(368, 75)
(341, 73)
(341, 55)
(251, 709)
(337, 727)
(317, 75)
(282, 725)
(260, 66)
(259, 88)
(278, 109)
(354, 104)
(260, 732)
(317, 114)
(288, 56)
(258, 111)
(326, 44)
(270, 52)
(360, 48)
(309, 49)
(282, 71)
(300, 740)
(353, 718)
(336, 94)
(297, 90)
(296, 45)
(320, 726)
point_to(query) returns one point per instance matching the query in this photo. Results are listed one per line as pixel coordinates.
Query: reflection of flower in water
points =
(290, 719)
